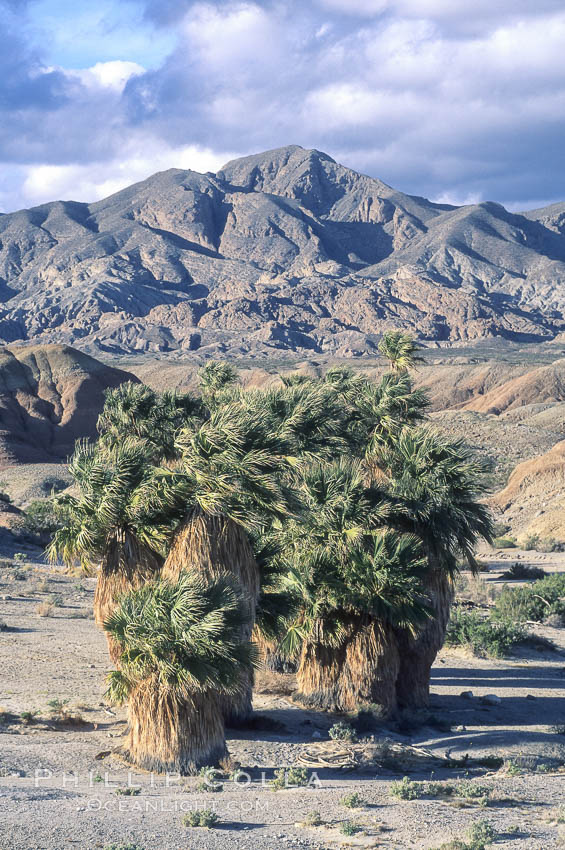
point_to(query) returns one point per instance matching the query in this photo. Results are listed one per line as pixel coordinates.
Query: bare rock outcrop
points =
(280, 252)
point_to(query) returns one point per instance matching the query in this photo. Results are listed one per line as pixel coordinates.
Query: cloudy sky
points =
(454, 100)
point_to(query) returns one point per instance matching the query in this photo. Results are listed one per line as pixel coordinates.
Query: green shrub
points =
(200, 817)
(407, 789)
(535, 601)
(290, 777)
(550, 544)
(42, 517)
(352, 801)
(504, 543)
(523, 571)
(348, 828)
(28, 717)
(531, 542)
(313, 819)
(128, 792)
(480, 834)
(483, 636)
(342, 732)
(123, 847)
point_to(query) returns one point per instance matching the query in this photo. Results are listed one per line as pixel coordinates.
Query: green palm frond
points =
(400, 349)
(186, 634)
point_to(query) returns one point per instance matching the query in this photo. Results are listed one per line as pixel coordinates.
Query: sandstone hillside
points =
(50, 396)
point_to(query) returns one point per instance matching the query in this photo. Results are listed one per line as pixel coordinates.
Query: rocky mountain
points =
(282, 251)
(50, 396)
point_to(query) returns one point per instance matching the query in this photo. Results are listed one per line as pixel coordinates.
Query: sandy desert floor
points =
(60, 781)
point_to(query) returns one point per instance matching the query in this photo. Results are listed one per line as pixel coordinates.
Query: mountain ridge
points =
(282, 251)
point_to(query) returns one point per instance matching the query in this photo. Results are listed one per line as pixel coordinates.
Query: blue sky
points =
(456, 101)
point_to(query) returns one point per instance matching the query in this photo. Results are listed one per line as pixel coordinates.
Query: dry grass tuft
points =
(45, 609)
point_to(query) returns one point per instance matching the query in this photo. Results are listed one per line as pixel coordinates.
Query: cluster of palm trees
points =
(317, 524)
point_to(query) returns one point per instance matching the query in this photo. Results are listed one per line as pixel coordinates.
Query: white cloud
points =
(93, 181)
(436, 97)
(111, 75)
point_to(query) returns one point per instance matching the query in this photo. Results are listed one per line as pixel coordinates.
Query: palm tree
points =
(113, 521)
(215, 377)
(230, 482)
(400, 350)
(180, 646)
(379, 411)
(433, 490)
(348, 584)
(154, 419)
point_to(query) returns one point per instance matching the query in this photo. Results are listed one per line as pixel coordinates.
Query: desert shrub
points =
(504, 543)
(479, 836)
(313, 819)
(468, 790)
(3, 626)
(28, 717)
(550, 544)
(56, 600)
(53, 485)
(407, 789)
(44, 609)
(481, 833)
(483, 636)
(200, 817)
(534, 602)
(352, 801)
(367, 718)
(128, 792)
(123, 847)
(20, 557)
(531, 542)
(523, 571)
(42, 518)
(290, 777)
(348, 828)
(341, 732)
(58, 707)
(473, 588)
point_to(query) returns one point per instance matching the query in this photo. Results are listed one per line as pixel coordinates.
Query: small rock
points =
(316, 734)
(491, 699)
(460, 729)
(530, 696)
(466, 694)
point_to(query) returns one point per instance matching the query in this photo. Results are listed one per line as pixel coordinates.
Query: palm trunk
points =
(417, 654)
(363, 670)
(126, 566)
(170, 735)
(270, 656)
(213, 546)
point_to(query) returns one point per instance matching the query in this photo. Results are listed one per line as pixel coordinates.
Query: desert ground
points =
(63, 779)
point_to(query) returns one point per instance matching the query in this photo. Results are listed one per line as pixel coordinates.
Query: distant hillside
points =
(285, 251)
(50, 396)
(533, 502)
